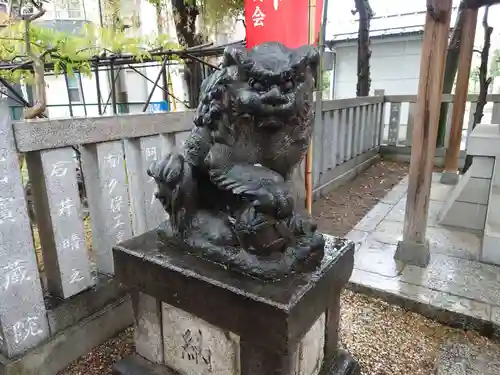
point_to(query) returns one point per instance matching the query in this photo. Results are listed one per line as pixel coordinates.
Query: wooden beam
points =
(450, 175)
(414, 248)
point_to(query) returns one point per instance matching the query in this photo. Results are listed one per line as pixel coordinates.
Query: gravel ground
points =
(385, 339)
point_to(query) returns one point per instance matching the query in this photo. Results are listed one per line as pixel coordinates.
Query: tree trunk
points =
(185, 24)
(159, 18)
(450, 71)
(484, 80)
(480, 3)
(365, 14)
(40, 97)
(113, 19)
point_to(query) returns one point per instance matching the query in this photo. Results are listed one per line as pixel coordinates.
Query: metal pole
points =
(110, 95)
(113, 91)
(101, 19)
(156, 84)
(98, 88)
(69, 97)
(164, 82)
(83, 94)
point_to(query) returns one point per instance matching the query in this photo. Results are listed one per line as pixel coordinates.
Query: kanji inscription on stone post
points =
(23, 322)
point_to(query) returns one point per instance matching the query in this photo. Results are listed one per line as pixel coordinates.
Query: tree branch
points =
(38, 66)
(484, 80)
(22, 40)
(365, 12)
(474, 4)
(40, 11)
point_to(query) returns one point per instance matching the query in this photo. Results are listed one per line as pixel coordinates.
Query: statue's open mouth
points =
(281, 106)
(272, 103)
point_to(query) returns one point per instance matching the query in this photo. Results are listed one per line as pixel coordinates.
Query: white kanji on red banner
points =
(258, 17)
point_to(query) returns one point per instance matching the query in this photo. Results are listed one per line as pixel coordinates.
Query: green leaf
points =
(70, 53)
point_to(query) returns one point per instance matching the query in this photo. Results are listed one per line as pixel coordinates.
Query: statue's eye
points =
(256, 85)
(287, 85)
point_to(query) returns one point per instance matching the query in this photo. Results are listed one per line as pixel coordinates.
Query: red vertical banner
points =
(285, 21)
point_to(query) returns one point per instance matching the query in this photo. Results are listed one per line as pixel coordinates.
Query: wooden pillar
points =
(450, 175)
(309, 155)
(414, 248)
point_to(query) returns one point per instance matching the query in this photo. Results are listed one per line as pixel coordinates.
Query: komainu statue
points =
(228, 194)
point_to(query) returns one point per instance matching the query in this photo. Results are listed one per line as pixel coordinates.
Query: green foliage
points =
(473, 80)
(495, 64)
(326, 80)
(69, 53)
(212, 11)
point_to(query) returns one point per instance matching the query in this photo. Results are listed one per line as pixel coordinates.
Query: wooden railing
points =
(63, 250)
(400, 109)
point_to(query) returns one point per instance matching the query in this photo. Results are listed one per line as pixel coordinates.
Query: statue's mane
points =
(270, 58)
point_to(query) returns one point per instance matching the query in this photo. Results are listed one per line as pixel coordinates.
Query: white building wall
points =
(58, 100)
(394, 67)
(137, 87)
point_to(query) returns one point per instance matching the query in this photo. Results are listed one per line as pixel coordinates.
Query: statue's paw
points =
(275, 202)
(302, 225)
(260, 232)
(168, 170)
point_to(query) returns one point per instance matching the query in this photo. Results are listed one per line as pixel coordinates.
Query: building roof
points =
(383, 26)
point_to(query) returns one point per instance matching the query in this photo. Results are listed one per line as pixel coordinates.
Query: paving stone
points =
(476, 191)
(391, 285)
(491, 247)
(443, 240)
(439, 192)
(455, 242)
(395, 195)
(388, 232)
(461, 277)
(461, 305)
(465, 358)
(455, 287)
(374, 217)
(377, 257)
(436, 176)
(464, 215)
(482, 167)
(398, 212)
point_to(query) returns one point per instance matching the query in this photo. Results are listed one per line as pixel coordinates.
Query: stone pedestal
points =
(194, 317)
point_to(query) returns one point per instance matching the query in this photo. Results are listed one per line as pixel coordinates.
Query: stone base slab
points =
(137, 365)
(71, 343)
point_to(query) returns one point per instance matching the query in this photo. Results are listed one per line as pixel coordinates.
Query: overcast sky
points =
(339, 11)
(339, 14)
